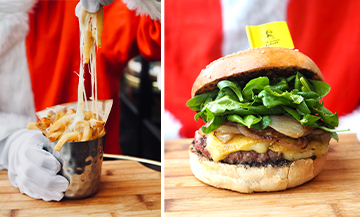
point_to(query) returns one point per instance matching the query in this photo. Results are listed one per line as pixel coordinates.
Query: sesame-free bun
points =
(246, 179)
(252, 63)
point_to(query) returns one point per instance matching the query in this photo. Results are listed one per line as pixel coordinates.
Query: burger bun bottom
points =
(247, 179)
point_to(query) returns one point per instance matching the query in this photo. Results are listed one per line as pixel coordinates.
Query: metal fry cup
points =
(81, 165)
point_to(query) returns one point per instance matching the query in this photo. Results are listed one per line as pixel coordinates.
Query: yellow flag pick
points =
(275, 34)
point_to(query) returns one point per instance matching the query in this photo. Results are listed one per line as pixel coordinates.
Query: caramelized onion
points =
(201, 132)
(289, 126)
(226, 132)
(228, 129)
(244, 130)
(223, 137)
(296, 144)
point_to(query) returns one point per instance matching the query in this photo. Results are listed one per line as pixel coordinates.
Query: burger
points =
(266, 127)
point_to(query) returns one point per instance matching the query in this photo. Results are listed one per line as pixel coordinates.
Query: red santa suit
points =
(197, 35)
(40, 54)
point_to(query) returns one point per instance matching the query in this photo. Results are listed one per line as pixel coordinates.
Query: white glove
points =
(30, 168)
(91, 6)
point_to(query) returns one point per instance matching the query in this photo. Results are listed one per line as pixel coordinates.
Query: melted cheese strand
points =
(90, 27)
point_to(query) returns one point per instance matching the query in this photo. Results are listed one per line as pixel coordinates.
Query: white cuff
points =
(151, 8)
(11, 122)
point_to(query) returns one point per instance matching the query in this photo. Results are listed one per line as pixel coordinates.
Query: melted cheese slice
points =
(219, 150)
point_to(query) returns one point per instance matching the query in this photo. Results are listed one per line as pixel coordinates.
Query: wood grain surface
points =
(334, 192)
(127, 188)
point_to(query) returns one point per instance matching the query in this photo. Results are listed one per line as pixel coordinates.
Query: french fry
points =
(43, 124)
(97, 117)
(68, 137)
(46, 122)
(102, 131)
(96, 123)
(87, 134)
(87, 45)
(58, 116)
(60, 124)
(99, 25)
(95, 133)
(54, 136)
(88, 115)
(32, 126)
(70, 111)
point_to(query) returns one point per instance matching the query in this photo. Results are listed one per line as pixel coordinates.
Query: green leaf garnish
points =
(249, 104)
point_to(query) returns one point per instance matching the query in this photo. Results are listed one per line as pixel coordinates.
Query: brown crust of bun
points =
(255, 62)
(246, 179)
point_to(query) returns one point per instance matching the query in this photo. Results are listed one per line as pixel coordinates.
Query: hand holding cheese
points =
(91, 6)
(30, 168)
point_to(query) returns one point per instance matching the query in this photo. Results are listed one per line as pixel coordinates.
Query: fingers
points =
(43, 179)
(105, 2)
(90, 5)
(43, 159)
(25, 185)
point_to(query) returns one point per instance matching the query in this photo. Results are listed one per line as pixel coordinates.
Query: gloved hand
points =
(91, 6)
(30, 168)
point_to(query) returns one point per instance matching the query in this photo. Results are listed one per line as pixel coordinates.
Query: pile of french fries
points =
(92, 127)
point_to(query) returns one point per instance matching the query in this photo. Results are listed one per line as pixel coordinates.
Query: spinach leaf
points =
(270, 100)
(279, 86)
(256, 83)
(196, 101)
(265, 122)
(309, 120)
(233, 86)
(321, 88)
(248, 120)
(292, 113)
(215, 122)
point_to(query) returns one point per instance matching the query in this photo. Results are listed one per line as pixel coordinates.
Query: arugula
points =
(250, 104)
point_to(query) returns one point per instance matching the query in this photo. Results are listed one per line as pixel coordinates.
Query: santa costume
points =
(39, 55)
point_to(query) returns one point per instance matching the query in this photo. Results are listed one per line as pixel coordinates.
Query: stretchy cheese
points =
(90, 37)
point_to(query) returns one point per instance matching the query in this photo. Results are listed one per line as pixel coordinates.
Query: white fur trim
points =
(351, 121)
(152, 8)
(13, 17)
(16, 95)
(10, 123)
(171, 127)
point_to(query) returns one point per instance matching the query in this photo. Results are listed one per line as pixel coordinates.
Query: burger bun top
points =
(255, 62)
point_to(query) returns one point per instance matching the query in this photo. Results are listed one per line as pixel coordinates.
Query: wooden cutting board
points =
(127, 188)
(334, 192)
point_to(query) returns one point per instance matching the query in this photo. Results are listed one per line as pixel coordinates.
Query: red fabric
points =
(330, 35)
(53, 55)
(203, 31)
